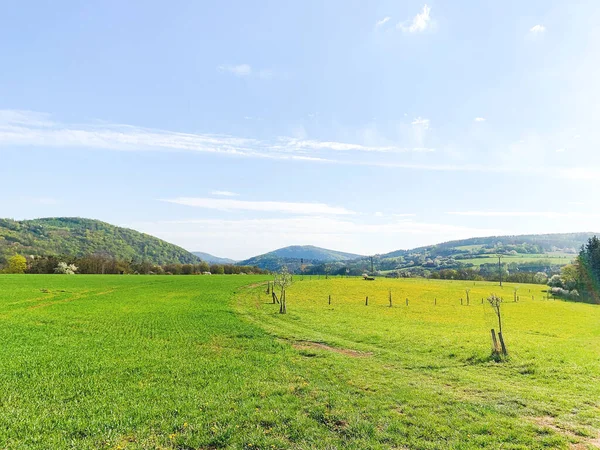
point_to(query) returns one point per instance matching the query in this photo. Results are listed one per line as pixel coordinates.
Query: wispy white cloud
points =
(381, 22)
(419, 23)
(420, 122)
(536, 29)
(343, 146)
(479, 119)
(225, 193)
(263, 206)
(22, 117)
(27, 129)
(246, 70)
(35, 130)
(240, 70)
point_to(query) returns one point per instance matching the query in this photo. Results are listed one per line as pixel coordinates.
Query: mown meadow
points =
(207, 362)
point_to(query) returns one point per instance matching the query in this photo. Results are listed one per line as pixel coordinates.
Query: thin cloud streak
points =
(246, 70)
(240, 70)
(225, 193)
(22, 128)
(419, 122)
(29, 129)
(262, 206)
(382, 22)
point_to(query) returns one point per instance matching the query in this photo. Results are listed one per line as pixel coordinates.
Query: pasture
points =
(543, 258)
(197, 362)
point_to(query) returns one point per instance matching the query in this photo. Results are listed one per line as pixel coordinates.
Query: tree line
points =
(105, 264)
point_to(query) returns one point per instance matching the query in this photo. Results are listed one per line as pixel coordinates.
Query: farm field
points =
(554, 259)
(423, 371)
(194, 362)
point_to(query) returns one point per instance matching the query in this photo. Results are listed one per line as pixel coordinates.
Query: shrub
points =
(555, 281)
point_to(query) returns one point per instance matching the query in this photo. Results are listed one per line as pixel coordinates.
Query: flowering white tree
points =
(65, 269)
(283, 279)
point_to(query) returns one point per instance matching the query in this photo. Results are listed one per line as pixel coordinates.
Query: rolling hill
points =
(522, 252)
(213, 259)
(527, 243)
(531, 253)
(80, 237)
(297, 255)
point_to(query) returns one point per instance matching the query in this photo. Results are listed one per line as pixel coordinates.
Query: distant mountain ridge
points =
(77, 237)
(213, 259)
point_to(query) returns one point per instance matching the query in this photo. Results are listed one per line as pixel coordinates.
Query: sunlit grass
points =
(438, 350)
(202, 362)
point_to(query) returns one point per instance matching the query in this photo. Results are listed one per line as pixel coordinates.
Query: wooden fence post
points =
(495, 349)
(367, 300)
(283, 306)
(504, 352)
(330, 299)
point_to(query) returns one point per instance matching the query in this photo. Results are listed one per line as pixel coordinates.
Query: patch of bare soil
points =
(308, 345)
(580, 442)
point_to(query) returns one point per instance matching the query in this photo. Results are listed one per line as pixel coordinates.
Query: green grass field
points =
(207, 362)
(551, 258)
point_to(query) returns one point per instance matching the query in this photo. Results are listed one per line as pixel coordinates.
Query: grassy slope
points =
(163, 362)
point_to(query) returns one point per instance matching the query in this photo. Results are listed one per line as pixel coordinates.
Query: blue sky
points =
(239, 127)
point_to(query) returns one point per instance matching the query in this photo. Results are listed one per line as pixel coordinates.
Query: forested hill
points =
(295, 256)
(525, 243)
(82, 237)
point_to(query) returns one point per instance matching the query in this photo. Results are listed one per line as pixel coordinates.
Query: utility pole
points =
(372, 265)
(500, 269)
